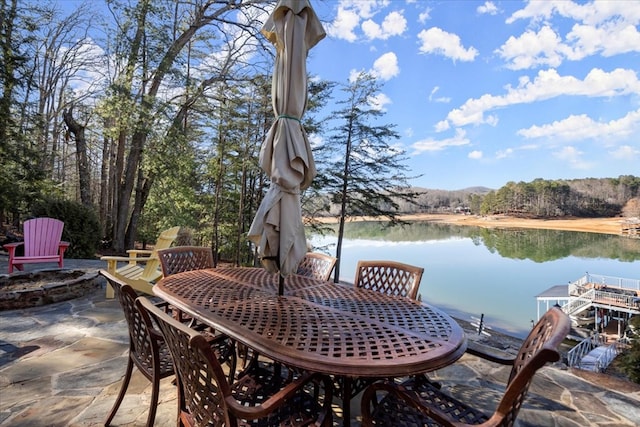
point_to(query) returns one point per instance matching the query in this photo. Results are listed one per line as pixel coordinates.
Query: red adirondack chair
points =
(41, 243)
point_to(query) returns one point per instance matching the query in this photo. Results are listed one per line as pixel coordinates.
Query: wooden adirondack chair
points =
(140, 272)
(42, 243)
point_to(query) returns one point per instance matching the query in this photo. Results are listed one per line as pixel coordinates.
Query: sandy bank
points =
(590, 225)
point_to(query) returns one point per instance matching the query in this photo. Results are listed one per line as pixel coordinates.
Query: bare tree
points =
(141, 82)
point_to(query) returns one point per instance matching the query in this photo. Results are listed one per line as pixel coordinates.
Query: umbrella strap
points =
(295, 190)
(285, 116)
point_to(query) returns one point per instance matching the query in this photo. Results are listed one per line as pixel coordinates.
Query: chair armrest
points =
(408, 397)
(280, 398)
(63, 246)
(112, 262)
(122, 258)
(11, 248)
(489, 353)
(135, 252)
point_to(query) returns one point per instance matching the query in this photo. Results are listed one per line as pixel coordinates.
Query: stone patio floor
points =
(61, 365)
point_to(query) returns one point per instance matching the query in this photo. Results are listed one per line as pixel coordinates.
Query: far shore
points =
(588, 225)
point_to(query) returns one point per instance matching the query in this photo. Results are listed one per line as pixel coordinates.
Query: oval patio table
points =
(318, 326)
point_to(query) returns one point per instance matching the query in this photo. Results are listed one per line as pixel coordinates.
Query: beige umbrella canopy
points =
(285, 156)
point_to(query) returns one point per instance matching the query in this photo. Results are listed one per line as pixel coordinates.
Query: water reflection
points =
(517, 243)
(498, 272)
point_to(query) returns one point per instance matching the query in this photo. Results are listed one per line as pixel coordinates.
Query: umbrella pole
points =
(280, 284)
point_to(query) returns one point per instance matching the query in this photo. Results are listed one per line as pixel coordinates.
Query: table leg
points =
(346, 401)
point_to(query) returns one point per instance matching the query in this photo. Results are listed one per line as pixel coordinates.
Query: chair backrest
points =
(141, 346)
(184, 258)
(389, 277)
(316, 265)
(151, 270)
(202, 385)
(540, 347)
(42, 236)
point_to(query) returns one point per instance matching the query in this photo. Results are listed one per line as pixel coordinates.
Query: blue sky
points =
(486, 92)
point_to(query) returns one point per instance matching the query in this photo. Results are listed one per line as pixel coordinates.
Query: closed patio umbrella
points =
(285, 156)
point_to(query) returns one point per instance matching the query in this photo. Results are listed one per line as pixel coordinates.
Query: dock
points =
(600, 308)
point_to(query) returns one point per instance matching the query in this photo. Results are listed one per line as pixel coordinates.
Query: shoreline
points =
(588, 225)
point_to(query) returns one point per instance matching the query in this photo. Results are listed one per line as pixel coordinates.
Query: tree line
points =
(540, 198)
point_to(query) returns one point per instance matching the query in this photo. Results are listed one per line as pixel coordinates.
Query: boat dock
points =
(600, 308)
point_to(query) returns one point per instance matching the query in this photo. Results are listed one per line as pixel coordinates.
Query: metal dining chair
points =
(179, 259)
(418, 402)
(206, 398)
(389, 277)
(147, 349)
(317, 265)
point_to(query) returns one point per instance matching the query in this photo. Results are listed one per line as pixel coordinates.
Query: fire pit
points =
(35, 288)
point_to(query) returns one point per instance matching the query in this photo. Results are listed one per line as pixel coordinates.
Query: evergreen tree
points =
(362, 169)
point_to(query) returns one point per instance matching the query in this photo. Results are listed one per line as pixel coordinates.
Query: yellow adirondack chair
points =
(140, 277)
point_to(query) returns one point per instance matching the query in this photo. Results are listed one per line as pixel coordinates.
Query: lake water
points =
(471, 271)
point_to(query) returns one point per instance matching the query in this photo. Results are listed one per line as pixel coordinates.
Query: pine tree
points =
(362, 168)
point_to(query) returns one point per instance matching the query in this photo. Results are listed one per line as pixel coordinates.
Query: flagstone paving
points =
(61, 365)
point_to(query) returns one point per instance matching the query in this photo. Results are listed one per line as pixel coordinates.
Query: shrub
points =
(81, 225)
(630, 361)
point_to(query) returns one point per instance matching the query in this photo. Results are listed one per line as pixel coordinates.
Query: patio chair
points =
(317, 265)
(389, 277)
(179, 259)
(147, 350)
(417, 402)
(206, 398)
(42, 243)
(140, 272)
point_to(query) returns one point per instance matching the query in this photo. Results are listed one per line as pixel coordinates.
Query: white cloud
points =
(442, 125)
(386, 66)
(344, 24)
(581, 127)
(475, 154)
(379, 102)
(364, 8)
(315, 140)
(592, 13)
(604, 28)
(573, 157)
(354, 74)
(546, 85)
(533, 49)
(441, 99)
(437, 41)
(503, 154)
(351, 12)
(625, 152)
(487, 8)
(430, 144)
(394, 24)
(424, 16)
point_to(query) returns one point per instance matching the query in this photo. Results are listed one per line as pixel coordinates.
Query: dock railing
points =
(576, 305)
(575, 355)
(616, 282)
(611, 297)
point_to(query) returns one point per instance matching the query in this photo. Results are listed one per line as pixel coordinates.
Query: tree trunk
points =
(343, 204)
(84, 172)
